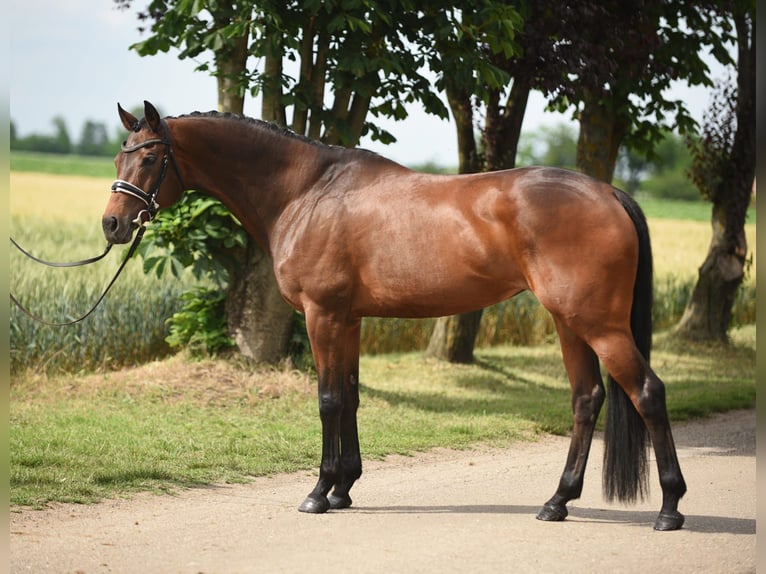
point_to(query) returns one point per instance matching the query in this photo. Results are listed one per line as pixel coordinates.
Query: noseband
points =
(149, 199)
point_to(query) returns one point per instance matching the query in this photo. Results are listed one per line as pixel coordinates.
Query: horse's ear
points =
(128, 120)
(152, 116)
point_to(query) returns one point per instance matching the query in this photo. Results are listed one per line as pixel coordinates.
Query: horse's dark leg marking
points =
(350, 457)
(336, 350)
(652, 407)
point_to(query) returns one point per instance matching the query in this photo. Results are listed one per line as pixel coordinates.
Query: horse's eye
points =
(149, 159)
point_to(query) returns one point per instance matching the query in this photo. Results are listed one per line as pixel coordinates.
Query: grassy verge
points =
(699, 210)
(172, 424)
(60, 164)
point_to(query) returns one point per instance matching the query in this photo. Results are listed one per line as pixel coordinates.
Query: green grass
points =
(698, 210)
(171, 424)
(62, 164)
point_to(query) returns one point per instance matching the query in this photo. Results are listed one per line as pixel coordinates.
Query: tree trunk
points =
(272, 108)
(708, 314)
(601, 133)
(230, 66)
(259, 320)
(503, 126)
(454, 337)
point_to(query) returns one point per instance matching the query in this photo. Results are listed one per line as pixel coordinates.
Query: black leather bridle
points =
(149, 199)
(118, 186)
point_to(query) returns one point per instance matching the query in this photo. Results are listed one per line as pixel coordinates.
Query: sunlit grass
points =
(172, 424)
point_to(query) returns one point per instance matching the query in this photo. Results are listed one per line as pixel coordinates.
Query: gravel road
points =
(442, 511)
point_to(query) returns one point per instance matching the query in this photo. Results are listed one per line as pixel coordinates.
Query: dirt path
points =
(442, 511)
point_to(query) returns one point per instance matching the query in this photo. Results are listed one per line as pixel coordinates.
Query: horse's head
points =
(141, 187)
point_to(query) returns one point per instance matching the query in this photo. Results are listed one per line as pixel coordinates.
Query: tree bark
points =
(454, 337)
(230, 66)
(708, 314)
(272, 108)
(601, 133)
(259, 320)
(503, 126)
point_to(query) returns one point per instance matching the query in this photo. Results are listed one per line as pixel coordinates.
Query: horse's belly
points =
(435, 294)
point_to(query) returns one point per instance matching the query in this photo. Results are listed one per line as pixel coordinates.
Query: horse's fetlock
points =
(673, 483)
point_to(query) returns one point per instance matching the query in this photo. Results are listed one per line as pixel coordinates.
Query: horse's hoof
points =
(669, 521)
(339, 502)
(552, 513)
(315, 505)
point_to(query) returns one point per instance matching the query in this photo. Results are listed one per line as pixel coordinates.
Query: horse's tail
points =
(626, 438)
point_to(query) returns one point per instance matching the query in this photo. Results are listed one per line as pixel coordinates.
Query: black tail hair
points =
(626, 439)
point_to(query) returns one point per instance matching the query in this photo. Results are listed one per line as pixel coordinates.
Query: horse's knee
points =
(330, 405)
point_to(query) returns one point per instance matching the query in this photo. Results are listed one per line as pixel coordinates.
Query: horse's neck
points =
(252, 171)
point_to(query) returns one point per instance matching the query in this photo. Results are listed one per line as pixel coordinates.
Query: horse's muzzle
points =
(117, 229)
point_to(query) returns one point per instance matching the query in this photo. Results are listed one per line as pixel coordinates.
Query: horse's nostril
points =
(110, 224)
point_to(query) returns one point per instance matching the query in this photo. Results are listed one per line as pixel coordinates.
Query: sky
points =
(71, 59)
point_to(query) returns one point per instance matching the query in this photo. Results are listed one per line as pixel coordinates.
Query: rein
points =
(131, 251)
(118, 186)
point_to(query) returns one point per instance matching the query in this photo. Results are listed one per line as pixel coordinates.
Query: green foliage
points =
(200, 326)
(357, 58)
(670, 184)
(711, 153)
(94, 140)
(622, 57)
(60, 142)
(199, 234)
(667, 176)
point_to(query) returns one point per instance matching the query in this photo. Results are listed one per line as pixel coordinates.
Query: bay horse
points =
(352, 234)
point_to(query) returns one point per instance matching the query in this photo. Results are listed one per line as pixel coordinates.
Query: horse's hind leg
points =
(587, 397)
(647, 394)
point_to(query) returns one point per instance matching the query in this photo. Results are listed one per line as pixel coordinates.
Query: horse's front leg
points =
(350, 457)
(335, 345)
